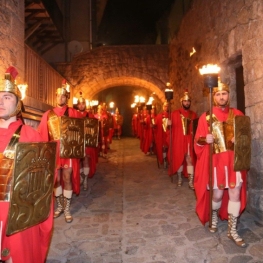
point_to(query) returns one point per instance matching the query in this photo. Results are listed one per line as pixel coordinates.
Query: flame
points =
(133, 105)
(209, 69)
(168, 90)
(111, 104)
(191, 53)
(136, 99)
(94, 103)
(22, 88)
(151, 99)
(75, 100)
(142, 99)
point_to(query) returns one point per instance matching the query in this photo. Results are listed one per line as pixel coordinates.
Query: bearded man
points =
(181, 152)
(229, 186)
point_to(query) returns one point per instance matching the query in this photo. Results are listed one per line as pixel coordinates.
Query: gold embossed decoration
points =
(72, 139)
(32, 186)
(242, 148)
(91, 132)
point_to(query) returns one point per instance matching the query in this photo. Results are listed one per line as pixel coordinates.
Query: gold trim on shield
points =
(32, 186)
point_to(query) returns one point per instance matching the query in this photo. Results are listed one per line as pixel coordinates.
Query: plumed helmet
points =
(8, 83)
(81, 99)
(185, 96)
(63, 90)
(221, 87)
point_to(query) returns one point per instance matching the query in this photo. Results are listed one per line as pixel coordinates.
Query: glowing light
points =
(133, 105)
(142, 99)
(209, 69)
(22, 88)
(111, 104)
(191, 53)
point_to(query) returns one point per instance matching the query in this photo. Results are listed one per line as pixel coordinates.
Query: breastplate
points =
(186, 125)
(6, 174)
(53, 126)
(223, 132)
(7, 165)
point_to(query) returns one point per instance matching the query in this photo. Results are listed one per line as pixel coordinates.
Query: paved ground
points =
(132, 213)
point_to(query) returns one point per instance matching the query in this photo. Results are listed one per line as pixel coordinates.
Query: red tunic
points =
(161, 135)
(92, 152)
(221, 161)
(181, 144)
(43, 130)
(30, 245)
(148, 135)
(134, 124)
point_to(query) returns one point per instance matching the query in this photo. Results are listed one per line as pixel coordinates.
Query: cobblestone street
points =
(132, 213)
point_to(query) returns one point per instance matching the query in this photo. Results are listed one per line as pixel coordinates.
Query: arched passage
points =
(112, 66)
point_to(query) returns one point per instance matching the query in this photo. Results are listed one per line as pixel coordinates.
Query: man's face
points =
(8, 102)
(81, 106)
(221, 98)
(186, 104)
(61, 100)
(165, 107)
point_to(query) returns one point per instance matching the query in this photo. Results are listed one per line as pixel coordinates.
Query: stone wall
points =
(113, 66)
(230, 34)
(12, 36)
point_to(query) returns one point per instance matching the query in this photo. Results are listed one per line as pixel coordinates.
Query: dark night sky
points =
(131, 22)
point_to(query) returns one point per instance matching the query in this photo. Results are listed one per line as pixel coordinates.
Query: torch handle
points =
(210, 160)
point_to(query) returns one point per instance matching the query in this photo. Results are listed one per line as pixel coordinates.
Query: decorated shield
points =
(91, 132)
(242, 147)
(72, 139)
(32, 185)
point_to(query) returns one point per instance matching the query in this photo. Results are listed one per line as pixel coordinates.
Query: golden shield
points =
(32, 185)
(91, 132)
(72, 139)
(242, 147)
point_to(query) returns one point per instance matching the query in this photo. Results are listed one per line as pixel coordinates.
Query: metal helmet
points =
(63, 90)
(81, 99)
(221, 87)
(185, 96)
(8, 85)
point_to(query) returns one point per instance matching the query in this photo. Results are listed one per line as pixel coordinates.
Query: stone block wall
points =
(230, 34)
(111, 66)
(12, 36)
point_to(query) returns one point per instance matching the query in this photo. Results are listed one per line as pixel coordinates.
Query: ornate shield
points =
(91, 132)
(32, 185)
(72, 141)
(242, 148)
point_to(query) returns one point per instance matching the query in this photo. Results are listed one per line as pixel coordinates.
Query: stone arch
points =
(111, 66)
(122, 81)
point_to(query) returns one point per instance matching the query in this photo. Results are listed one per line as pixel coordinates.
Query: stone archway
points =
(111, 66)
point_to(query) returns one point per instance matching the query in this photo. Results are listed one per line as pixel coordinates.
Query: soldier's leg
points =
(179, 176)
(190, 171)
(67, 173)
(86, 172)
(165, 161)
(58, 195)
(234, 205)
(216, 204)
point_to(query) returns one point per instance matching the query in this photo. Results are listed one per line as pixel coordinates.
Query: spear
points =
(169, 96)
(210, 75)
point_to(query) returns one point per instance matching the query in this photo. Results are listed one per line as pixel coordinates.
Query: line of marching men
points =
(156, 134)
(181, 142)
(30, 173)
(100, 127)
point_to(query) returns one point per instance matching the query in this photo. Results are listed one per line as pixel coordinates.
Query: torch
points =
(169, 93)
(210, 76)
